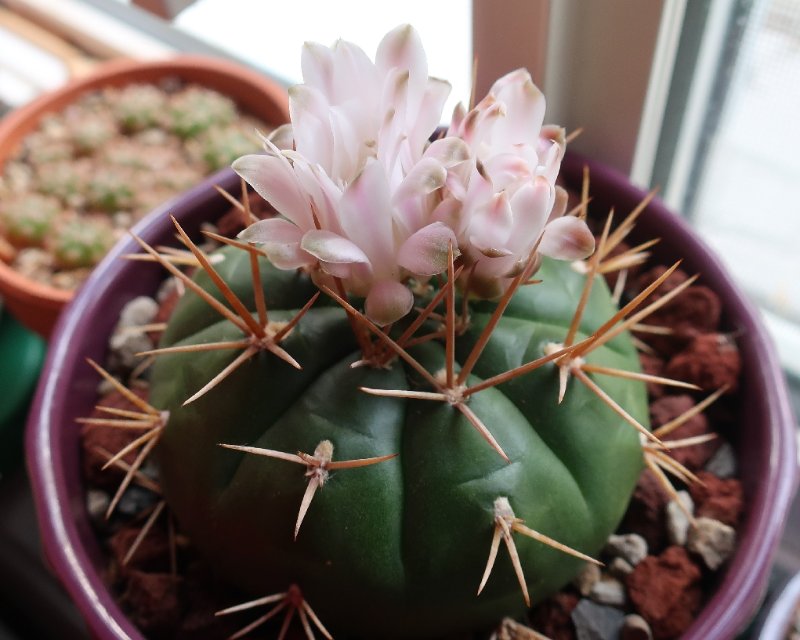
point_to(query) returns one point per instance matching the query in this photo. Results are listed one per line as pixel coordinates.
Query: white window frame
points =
(614, 87)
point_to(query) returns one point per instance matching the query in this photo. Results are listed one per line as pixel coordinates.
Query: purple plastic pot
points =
(781, 613)
(67, 391)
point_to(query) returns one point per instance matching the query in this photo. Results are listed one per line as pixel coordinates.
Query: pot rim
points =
(781, 614)
(726, 613)
(24, 291)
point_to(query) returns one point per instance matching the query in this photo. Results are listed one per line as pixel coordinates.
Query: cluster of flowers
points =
(367, 197)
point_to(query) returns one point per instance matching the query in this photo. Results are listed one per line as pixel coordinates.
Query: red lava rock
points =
(164, 313)
(695, 311)
(645, 514)
(552, 617)
(152, 554)
(710, 361)
(668, 408)
(654, 366)
(678, 277)
(152, 599)
(665, 590)
(717, 498)
(96, 438)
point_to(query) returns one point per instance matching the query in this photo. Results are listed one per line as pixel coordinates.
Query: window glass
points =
(270, 34)
(746, 201)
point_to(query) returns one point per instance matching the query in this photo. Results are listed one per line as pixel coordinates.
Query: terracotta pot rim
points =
(20, 122)
(740, 588)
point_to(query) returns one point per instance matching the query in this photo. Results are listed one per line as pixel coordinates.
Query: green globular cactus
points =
(65, 180)
(81, 242)
(92, 132)
(110, 190)
(139, 106)
(27, 220)
(398, 548)
(218, 147)
(196, 109)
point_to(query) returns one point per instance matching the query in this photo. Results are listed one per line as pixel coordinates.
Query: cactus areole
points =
(396, 548)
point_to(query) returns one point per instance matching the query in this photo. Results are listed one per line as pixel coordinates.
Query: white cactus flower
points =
(509, 198)
(355, 188)
(364, 196)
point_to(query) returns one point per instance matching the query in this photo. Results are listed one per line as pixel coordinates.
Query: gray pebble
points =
(97, 502)
(587, 578)
(135, 500)
(723, 463)
(138, 311)
(619, 568)
(104, 387)
(165, 290)
(124, 346)
(635, 628)
(609, 591)
(712, 540)
(631, 547)
(596, 622)
(677, 520)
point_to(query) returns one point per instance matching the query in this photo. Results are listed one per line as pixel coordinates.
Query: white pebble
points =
(723, 463)
(712, 540)
(631, 547)
(587, 578)
(677, 520)
(609, 591)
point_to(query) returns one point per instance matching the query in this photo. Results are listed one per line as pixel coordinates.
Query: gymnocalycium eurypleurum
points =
(409, 397)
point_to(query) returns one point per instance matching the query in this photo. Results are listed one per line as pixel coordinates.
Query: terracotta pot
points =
(67, 391)
(37, 305)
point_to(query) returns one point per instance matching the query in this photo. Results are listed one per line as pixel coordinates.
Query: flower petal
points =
(354, 75)
(531, 206)
(316, 64)
(427, 176)
(449, 151)
(330, 247)
(388, 301)
(308, 109)
(402, 47)
(567, 238)
(524, 109)
(365, 214)
(282, 137)
(280, 240)
(490, 227)
(506, 169)
(425, 253)
(274, 180)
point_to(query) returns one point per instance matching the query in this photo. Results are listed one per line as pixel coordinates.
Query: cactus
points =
(65, 180)
(196, 109)
(358, 400)
(139, 106)
(81, 242)
(218, 147)
(398, 547)
(28, 219)
(92, 131)
(110, 190)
